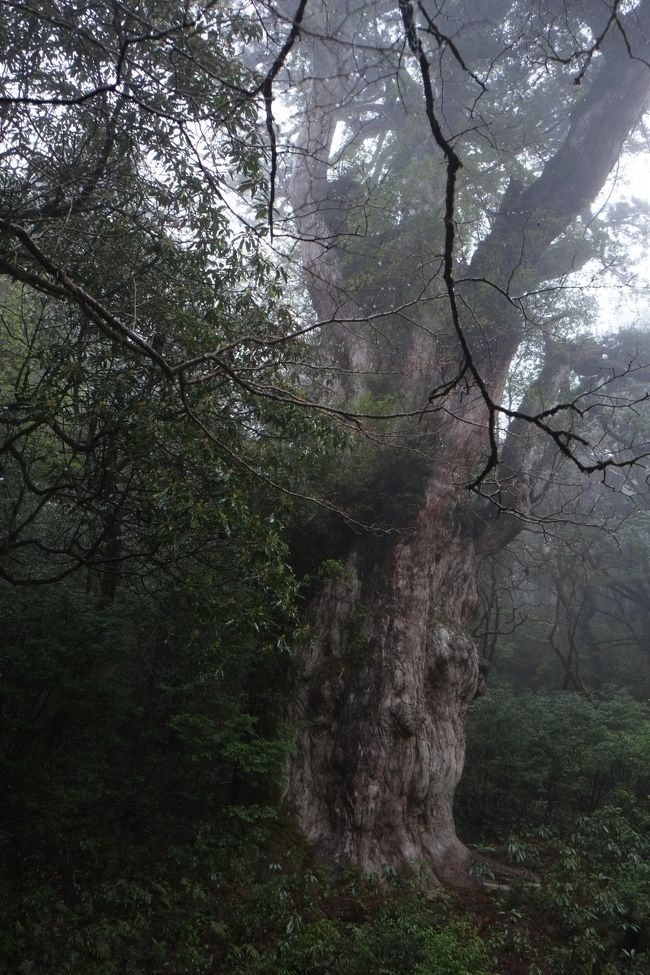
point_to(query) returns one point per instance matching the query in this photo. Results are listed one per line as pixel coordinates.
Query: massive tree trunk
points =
(389, 670)
(383, 691)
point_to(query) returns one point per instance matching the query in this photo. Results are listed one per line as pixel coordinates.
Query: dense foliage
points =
(535, 757)
(568, 778)
(139, 739)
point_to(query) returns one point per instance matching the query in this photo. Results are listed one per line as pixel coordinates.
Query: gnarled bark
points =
(382, 693)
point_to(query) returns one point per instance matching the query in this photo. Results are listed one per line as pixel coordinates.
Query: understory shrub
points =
(405, 937)
(533, 757)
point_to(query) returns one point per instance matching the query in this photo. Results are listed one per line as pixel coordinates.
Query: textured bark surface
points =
(382, 694)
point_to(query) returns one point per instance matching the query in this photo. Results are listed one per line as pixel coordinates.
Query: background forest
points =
(324, 362)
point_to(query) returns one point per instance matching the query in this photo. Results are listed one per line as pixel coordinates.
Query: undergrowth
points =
(239, 895)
